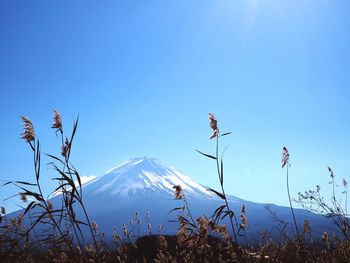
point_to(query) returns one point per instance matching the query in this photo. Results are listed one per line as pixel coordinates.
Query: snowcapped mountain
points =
(144, 176)
(146, 185)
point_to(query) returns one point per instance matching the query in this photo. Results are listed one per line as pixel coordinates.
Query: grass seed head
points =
(212, 225)
(162, 242)
(94, 227)
(213, 123)
(285, 156)
(243, 209)
(19, 220)
(28, 130)
(57, 121)
(325, 237)
(64, 148)
(178, 192)
(307, 228)
(223, 231)
(23, 197)
(345, 183)
(116, 237)
(125, 230)
(331, 173)
(244, 221)
(49, 205)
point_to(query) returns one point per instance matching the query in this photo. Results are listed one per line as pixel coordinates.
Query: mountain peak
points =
(144, 175)
(146, 160)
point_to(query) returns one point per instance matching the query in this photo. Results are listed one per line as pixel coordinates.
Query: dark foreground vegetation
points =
(64, 236)
(171, 249)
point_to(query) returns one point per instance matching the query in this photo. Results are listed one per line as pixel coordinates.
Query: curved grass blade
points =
(224, 134)
(207, 155)
(217, 193)
(19, 182)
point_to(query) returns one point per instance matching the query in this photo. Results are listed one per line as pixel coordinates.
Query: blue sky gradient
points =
(143, 76)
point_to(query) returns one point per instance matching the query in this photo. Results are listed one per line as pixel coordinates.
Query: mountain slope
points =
(146, 185)
(144, 176)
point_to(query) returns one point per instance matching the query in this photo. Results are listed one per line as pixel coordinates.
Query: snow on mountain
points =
(146, 185)
(144, 176)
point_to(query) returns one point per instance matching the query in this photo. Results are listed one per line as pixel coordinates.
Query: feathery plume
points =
(325, 236)
(213, 125)
(307, 228)
(244, 220)
(49, 205)
(23, 197)
(19, 220)
(243, 209)
(125, 230)
(285, 156)
(28, 130)
(178, 192)
(149, 227)
(64, 148)
(94, 227)
(331, 173)
(345, 183)
(57, 121)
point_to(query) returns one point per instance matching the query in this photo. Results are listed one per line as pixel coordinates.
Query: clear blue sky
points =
(143, 76)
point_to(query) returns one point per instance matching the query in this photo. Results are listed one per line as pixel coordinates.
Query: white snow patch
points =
(120, 165)
(85, 179)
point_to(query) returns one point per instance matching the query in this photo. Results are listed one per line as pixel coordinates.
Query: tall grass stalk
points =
(67, 172)
(224, 210)
(220, 172)
(345, 184)
(37, 164)
(285, 162)
(180, 195)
